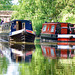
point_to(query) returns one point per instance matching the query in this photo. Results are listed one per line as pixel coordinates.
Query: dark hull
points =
(24, 47)
(48, 38)
(23, 37)
(54, 38)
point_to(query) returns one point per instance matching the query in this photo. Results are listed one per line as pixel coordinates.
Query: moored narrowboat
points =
(58, 32)
(21, 31)
(4, 31)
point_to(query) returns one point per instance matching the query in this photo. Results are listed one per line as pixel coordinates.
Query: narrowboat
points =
(4, 31)
(21, 30)
(61, 50)
(17, 30)
(57, 31)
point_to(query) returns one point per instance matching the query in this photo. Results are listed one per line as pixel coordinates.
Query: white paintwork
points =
(17, 32)
(66, 47)
(20, 53)
(65, 35)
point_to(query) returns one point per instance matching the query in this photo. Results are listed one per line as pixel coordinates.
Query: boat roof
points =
(19, 20)
(51, 23)
(55, 23)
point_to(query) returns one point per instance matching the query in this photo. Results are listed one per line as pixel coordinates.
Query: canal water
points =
(37, 59)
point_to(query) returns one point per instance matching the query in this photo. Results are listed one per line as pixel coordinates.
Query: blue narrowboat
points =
(21, 31)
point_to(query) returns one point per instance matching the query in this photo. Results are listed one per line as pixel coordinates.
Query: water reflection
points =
(60, 50)
(3, 60)
(39, 59)
(1, 54)
(21, 52)
(12, 54)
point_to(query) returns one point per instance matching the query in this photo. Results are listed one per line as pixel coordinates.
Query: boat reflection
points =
(21, 52)
(60, 50)
(1, 54)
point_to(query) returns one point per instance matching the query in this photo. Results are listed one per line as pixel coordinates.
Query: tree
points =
(5, 4)
(42, 10)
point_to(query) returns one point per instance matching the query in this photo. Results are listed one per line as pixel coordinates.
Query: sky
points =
(14, 1)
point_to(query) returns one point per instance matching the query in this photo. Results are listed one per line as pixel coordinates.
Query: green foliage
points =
(65, 66)
(37, 26)
(71, 19)
(0, 20)
(5, 4)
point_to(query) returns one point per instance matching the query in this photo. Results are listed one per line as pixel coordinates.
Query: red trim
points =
(29, 53)
(29, 31)
(66, 43)
(66, 39)
(63, 54)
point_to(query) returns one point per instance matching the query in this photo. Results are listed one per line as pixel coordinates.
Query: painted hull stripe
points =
(65, 35)
(66, 47)
(16, 32)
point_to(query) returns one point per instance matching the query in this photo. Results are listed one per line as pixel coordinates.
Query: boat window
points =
(48, 28)
(20, 25)
(17, 27)
(23, 25)
(44, 28)
(9, 26)
(52, 28)
(44, 50)
(6, 27)
(52, 52)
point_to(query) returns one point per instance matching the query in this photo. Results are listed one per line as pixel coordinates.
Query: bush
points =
(37, 26)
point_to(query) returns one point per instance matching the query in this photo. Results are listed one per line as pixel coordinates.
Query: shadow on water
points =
(53, 58)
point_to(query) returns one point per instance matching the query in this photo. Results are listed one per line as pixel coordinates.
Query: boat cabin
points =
(5, 27)
(49, 28)
(22, 29)
(52, 30)
(21, 24)
(57, 28)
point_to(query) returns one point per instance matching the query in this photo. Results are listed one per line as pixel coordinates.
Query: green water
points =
(37, 58)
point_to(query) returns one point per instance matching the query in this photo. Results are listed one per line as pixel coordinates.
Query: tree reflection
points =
(3, 65)
(41, 65)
